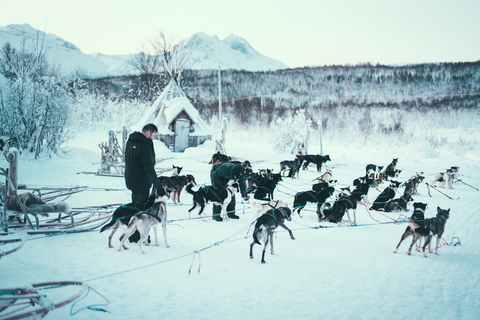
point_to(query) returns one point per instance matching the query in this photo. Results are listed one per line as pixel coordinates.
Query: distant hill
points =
(209, 52)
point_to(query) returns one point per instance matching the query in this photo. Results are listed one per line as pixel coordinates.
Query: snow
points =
(337, 272)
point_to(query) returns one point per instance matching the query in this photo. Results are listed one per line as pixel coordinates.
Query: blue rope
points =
(93, 307)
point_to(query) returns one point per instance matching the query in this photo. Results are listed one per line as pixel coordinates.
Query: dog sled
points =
(36, 300)
(12, 250)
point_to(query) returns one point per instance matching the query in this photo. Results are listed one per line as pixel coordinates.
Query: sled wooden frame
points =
(24, 211)
(9, 184)
(17, 295)
(4, 253)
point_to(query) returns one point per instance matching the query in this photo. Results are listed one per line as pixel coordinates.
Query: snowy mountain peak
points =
(238, 44)
(234, 52)
(208, 52)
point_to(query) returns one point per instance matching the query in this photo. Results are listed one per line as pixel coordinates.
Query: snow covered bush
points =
(35, 100)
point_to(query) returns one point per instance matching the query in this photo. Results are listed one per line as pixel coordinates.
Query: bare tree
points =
(165, 57)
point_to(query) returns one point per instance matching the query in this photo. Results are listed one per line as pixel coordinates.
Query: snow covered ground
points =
(338, 272)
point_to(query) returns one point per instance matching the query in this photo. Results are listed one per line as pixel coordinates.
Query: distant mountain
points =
(233, 52)
(208, 53)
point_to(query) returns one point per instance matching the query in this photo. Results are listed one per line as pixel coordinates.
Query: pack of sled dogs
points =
(135, 222)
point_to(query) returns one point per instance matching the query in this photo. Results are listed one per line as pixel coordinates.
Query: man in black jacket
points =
(224, 171)
(140, 164)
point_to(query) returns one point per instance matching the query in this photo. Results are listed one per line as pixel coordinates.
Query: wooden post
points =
(124, 139)
(321, 137)
(12, 158)
(4, 220)
(307, 134)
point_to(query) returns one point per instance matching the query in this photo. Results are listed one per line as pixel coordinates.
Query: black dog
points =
(266, 225)
(343, 204)
(427, 229)
(391, 170)
(399, 204)
(386, 195)
(417, 216)
(317, 159)
(301, 198)
(265, 191)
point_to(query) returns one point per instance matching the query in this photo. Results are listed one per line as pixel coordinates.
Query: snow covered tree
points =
(34, 98)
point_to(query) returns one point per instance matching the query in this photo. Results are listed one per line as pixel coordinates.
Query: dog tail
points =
(257, 231)
(189, 188)
(108, 225)
(412, 224)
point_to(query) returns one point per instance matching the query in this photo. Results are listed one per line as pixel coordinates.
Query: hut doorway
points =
(182, 129)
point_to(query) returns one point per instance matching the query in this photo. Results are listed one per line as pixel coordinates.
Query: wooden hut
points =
(179, 123)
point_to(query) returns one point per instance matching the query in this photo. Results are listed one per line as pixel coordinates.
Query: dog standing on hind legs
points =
(266, 225)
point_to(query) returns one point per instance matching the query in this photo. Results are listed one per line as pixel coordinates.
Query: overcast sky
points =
(298, 33)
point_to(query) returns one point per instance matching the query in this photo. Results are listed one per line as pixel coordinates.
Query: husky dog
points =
(325, 177)
(417, 216)
(431, 227)
(265, 191)
(266, 225)
(343, 204)
(412, 184)
(387, 194)
(144, 221)
(293, 166)
(443, 178)
(317, 159)
(391, 170)
(361, 180)
(301, 198)
(121, 216)
(261, 208)
(399, 204)
(373, 171)
(176, 170)
(206, 194)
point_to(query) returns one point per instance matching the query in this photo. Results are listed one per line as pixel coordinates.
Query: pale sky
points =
(298, 33)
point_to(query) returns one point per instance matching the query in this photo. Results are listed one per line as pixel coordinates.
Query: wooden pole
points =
(12, 158)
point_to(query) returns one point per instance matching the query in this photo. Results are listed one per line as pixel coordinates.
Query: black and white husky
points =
(122, 215)
(445, 178)
(373, 171)
(428, 228)
(219, 197)
(266, 225)
(144, 221)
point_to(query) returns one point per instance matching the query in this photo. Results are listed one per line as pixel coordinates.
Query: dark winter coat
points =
(225, 171)
(140, 163)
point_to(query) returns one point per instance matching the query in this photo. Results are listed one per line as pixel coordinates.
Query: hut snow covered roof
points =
(171, 102)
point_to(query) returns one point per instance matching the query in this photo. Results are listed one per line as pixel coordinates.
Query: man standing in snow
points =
(140, 164)
(220, 171)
